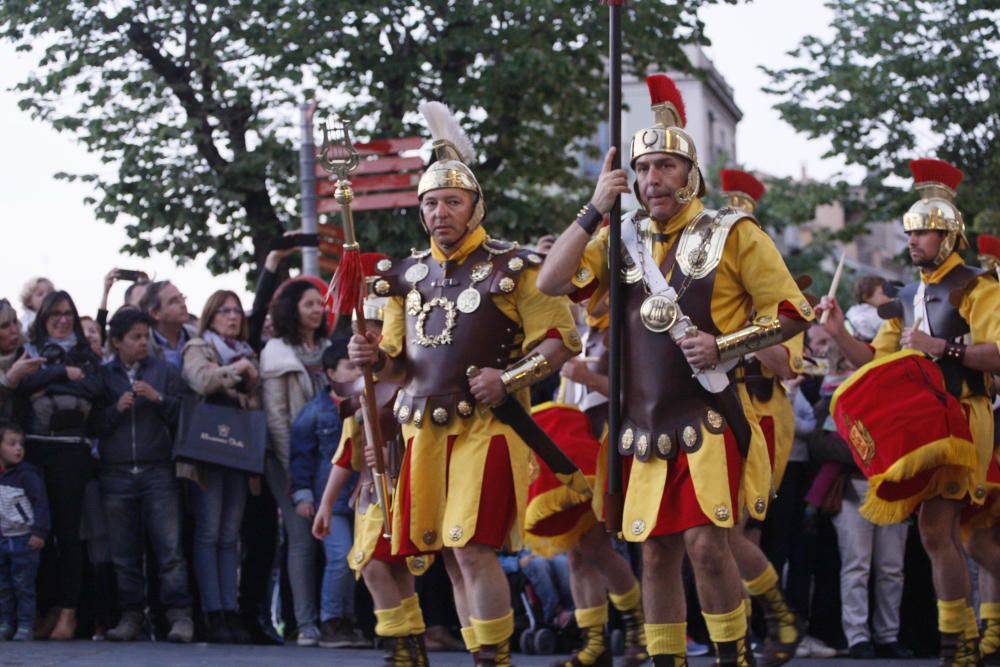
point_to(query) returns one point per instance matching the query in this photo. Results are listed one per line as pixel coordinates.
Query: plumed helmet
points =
(453, 152)
(936, 181)
(667, 134)
(741, 189)
(989, 251)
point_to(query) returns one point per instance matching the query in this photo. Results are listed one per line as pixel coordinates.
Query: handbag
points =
(222, 435)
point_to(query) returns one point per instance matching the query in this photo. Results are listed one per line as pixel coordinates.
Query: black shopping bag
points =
(222, 435)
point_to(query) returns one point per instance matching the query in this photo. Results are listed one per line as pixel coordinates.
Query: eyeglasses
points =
(229, 311)
(61, 315)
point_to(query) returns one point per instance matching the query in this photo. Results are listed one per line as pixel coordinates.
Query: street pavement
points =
(102, 654)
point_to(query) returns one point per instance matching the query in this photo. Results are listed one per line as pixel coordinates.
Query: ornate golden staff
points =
(339, 158)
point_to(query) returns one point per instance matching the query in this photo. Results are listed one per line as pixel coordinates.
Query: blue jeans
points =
(336, 599)
(549, 578)
(140, 504)
(18, 569)
(218, 513)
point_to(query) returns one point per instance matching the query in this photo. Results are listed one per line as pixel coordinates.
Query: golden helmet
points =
(667, 135)
(936, 181)
(741, 189)
(452, 152)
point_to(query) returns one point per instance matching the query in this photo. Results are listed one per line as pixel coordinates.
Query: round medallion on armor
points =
(464, 408)
(951, 488)
(697, 258)
(628, 437)
(443, 338)
(416, 273)
(404, 414)
(381, 287)
(455, 533)
(658, 313)
(481, 271)
(418, 562)
(638, 527)
(429, 537)
(507, 285)
(689, 436)
(383, 265)
(714, 419)
(468, 301)
(440, 415)
(642, 446)
(721, 512)
(582, 275)
(358, 557)
(418, 417)
(980, 493)
(515, 264)
(413, 302)
(759, 505)
(805, 308)
(663, 444)
(535, 259)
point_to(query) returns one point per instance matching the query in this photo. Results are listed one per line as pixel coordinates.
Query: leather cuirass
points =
(946, 322)
(443, 341)
(665, 407)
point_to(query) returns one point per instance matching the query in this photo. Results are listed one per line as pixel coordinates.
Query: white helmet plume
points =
(444, 126)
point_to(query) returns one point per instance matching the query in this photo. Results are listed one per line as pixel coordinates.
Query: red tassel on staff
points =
(346, 287)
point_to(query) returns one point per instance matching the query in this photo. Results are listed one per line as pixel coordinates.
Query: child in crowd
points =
(315, 435)
(24, 526)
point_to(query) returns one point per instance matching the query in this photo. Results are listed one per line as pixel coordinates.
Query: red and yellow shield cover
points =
(557, 516)
(909, 436)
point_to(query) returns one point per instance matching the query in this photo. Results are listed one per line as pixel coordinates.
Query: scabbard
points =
(513, 414)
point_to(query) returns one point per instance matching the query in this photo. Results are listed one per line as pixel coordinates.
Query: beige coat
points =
(286, 389)
(206, 376)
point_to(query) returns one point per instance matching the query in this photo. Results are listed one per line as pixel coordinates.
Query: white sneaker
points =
(308, 636)
(810, 647)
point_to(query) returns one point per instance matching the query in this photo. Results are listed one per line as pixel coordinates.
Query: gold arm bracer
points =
(525, 372)
(764, 332)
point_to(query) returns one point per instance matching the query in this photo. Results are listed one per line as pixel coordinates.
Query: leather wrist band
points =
(955, 351)
(525, 372)
(589, 218)
(764, 332)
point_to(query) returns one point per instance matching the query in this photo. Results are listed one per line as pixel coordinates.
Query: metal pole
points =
(307, 168)
(614, 502)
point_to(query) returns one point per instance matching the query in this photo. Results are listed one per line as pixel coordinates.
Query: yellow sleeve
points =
(887, 339)
(762, 271)
(539, 313)
(980, 307)
(594, 263)
(352, 439)
(393, 327)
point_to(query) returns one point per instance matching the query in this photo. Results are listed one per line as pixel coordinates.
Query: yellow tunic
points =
(779, 408)
(751, 277)
(980, 307)
(368, 525)
(445, 491)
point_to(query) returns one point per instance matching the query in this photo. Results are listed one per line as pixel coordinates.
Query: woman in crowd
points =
(220, 365)
(292, 373)
(32, 295)
(14, 363)
(55, 406)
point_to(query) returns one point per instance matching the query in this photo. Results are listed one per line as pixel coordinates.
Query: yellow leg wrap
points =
(748, 609)
(951, 615)
(470, 639)
(726, 627)
(971, 630)
(493, 631)
(592, 616)
(666, 638)
(411, 606)
(989, 611)
(990, 643)
(392, 622)
(628, 600)
(760, 584)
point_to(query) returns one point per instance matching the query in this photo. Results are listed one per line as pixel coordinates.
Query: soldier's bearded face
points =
(446, 213)
(659, 176)
(924, 245)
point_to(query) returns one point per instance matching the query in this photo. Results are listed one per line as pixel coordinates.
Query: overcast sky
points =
(49, 231)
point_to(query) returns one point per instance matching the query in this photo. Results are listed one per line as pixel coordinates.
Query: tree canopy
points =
(194, 105)
(904, 79)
